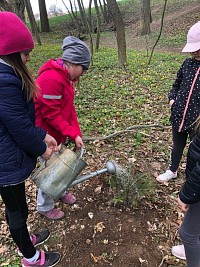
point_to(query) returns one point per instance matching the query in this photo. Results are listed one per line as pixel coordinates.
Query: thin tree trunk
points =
(145, 17)
(67, 10)
(161, 26)
(120, 31)
(43, 16)
(98, 24)
(106, 13)
(82, 14)
(32, 20)
(14, 6)
(90, 15)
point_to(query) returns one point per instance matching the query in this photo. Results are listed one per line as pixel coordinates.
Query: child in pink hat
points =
(21, 142)
(184, 101)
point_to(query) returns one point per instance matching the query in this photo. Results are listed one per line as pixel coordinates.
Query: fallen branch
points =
(163, 260)
(129, 129)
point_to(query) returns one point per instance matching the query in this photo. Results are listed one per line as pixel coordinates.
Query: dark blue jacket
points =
(20, 141)
(190, 192)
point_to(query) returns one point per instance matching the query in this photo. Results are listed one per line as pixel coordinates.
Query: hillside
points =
(179, 17)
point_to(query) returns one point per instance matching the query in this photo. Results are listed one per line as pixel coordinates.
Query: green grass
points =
(111, 98)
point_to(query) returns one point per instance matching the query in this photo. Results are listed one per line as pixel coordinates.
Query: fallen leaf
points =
(98, 189)
(90, 215)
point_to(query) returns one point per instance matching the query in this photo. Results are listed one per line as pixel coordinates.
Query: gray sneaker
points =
(47, 259)
(37, 239)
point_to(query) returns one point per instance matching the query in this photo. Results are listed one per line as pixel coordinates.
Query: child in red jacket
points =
(55, 111)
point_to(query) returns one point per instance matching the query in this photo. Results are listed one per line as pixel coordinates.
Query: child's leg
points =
(16, 215)
(179, 143)
(44, 202)
(190, 235)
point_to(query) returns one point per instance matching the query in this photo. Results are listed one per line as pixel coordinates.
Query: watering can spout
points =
(111, 169)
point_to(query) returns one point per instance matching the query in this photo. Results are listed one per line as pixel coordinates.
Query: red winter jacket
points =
(55, 111)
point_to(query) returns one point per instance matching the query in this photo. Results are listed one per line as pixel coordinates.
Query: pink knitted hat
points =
(193, 39)
(14, 35)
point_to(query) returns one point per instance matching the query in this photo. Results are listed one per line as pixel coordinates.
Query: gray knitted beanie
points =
(76, 52)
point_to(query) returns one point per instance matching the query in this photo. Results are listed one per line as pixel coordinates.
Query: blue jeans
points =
(190, 235)
(14, 199)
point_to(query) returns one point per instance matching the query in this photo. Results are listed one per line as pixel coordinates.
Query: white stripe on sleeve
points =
(52, 96)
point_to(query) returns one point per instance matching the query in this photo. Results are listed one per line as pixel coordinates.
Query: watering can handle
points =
(82, 151)
(44, 162)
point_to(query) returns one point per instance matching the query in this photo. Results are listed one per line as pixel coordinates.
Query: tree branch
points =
(129, 129)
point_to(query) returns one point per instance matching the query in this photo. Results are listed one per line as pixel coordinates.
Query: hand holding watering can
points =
(51, 147)
(79, 142)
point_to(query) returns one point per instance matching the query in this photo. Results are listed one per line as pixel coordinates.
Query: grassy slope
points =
(141, 89)
(110, 98)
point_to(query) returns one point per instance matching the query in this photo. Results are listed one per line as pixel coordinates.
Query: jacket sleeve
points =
(190, 192)
(176, 85)
(50, 108)
(15, 118)
(74, 122)
(42, 133)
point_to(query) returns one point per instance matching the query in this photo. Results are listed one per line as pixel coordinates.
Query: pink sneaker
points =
(54, 214)
(68, 199)
(47, 259)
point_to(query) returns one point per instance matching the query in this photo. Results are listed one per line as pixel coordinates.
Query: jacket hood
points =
(55, 65)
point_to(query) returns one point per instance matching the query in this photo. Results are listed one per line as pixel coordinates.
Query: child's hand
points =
(171, 102)
(79, 142)
(47, 154)
(182, 206)
(51, 142)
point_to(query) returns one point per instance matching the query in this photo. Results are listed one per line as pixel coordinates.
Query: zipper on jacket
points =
(188, 100)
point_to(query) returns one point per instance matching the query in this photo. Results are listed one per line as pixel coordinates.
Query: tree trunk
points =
(145, 17)
(4, 5)
(98, 24)
(67, 10)
(82, 14)
(161, 27)
(14, 6)
(104, 10)
(90, 23)
(120, 31)
(43, 16)
(32, 20)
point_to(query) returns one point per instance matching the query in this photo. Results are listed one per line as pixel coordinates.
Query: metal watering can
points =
(55, 175)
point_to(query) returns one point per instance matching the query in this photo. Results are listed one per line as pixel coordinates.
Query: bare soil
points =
(95, 232)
